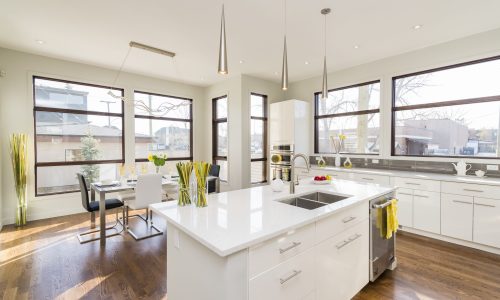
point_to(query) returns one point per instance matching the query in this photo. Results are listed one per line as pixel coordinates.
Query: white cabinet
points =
(456, 216)
(342, 264)
(405, 207)
(289, 124)
(293, 279)
(487, 222)
(329, 227)
(427, 211)
(274, 251)
(370, 178)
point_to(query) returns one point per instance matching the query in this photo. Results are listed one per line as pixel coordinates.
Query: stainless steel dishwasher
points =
(382, 250)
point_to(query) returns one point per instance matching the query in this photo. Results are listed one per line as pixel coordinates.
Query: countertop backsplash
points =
(406, 165)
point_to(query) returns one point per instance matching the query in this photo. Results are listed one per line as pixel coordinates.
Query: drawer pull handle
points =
(463, 202)
(349, 219)
(366, 178)
(405, 194)
(486, 205)
(421, 196)
(412, 183)
(293, 245)
(348, 241)
(295, 273)
(477, 191)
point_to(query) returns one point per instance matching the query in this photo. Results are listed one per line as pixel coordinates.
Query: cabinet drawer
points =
(417, 184)
(337, 223)
(427, 211)
(343, 263)
(270, 253)
(369, 178)
(293, 279)
(487, 222)
(468, 189)
(456, 216)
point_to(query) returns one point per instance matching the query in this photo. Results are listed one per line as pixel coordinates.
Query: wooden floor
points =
(45, 261)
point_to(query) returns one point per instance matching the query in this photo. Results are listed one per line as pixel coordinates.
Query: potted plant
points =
(158, 160)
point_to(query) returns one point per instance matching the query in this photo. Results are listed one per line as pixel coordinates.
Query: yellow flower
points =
(342, 137)
(150, 157)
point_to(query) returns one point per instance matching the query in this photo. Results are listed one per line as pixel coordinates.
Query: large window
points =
(258, 138)
(452, 111)
(78, 128)
(163, 124)
(353, 111)
(219, 135)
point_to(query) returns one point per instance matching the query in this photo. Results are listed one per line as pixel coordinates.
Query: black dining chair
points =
(213, 182)
(92, 207)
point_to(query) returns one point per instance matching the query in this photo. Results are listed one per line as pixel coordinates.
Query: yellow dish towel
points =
(392, 218)
(387, 220)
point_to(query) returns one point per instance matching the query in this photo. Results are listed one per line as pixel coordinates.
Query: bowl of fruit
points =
(322, 179)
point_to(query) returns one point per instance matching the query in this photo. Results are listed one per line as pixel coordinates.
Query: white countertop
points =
(239, 219)
(409, 174)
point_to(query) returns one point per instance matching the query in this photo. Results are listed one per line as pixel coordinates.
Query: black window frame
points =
(265, 133)
(318, 117)
(395, 109)
(73, 111)
(190, 121)
(216, 121)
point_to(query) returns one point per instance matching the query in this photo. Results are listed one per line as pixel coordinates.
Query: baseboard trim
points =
(452, 240)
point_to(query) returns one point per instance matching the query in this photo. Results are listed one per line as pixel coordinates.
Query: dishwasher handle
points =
(385, 204)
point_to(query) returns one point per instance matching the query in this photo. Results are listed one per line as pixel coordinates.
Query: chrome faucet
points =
(292, 170)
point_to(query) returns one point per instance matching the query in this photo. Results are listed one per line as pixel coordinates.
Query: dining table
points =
(121, 186)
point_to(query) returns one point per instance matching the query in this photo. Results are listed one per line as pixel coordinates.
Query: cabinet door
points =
(427, 211)
(456, 216)
(342, 264)
(487, 222)
(405, 207)
(292, 279)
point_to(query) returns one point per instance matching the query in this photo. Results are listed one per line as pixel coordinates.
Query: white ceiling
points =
(98, 32)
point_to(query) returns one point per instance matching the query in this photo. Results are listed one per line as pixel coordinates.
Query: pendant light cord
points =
(121, 66)
(284, 10)
(325, 36)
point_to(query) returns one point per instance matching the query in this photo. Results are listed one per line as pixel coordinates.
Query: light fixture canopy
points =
(324, 88)
(222, 67)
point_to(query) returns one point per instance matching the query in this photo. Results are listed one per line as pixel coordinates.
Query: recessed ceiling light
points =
(241, 61)
(40, 42)
(275, 73)
(356, 47)
(417, 27)
(306, 62)
(202, 78)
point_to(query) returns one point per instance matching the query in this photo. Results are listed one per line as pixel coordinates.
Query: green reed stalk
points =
(201, 170)
(184, 170)
(18, 155)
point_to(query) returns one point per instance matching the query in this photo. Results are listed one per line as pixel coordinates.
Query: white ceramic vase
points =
(337, 160)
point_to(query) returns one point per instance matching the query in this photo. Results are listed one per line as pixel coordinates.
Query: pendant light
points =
(222, 69)
(284, 69)
(324, 89)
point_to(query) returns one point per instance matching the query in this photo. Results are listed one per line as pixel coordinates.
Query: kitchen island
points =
(255, 244)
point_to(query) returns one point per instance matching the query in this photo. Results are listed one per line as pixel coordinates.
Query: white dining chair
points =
(148, 190)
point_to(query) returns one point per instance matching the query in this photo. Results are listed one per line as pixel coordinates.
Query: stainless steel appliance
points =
(281, 166)
(382, 254)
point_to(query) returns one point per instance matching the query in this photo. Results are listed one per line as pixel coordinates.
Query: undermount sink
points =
(313, 200)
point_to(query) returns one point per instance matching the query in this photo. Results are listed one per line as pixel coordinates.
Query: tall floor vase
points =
(18, 155)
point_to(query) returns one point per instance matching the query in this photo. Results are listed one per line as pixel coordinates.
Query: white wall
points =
(238, 90)
(471, 48)
(16, 115)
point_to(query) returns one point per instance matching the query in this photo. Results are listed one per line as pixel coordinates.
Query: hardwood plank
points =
(45, 261)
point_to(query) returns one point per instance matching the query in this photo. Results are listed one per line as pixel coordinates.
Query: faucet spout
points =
(292, 170)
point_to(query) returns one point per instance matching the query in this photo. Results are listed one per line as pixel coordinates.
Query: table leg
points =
(217, 185)
(102, 218)
(92, 214)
